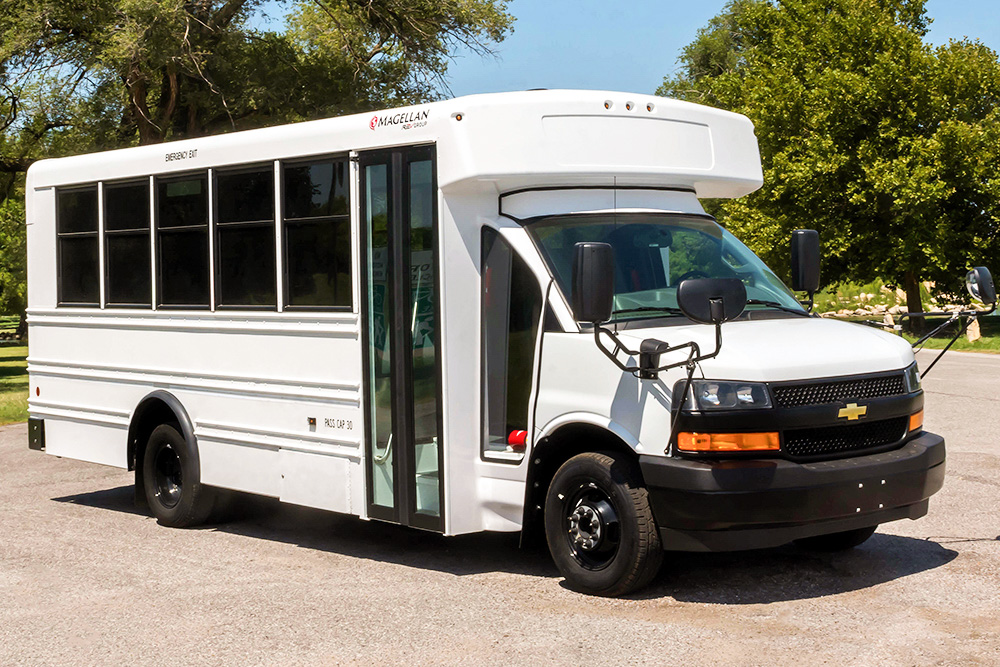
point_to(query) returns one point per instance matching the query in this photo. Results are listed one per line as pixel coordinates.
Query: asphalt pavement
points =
(86, 579)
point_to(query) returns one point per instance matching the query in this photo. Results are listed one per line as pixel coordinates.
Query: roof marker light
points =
(628, 106)
(650, 107)
(608, 104)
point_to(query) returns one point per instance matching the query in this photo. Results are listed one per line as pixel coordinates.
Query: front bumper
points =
(751, 504)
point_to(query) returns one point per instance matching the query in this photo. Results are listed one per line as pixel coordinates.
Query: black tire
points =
(599, 525)
(172, 478)
(848, 539)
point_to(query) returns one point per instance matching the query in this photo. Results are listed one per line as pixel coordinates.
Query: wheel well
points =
(151, 413)
(548, 454)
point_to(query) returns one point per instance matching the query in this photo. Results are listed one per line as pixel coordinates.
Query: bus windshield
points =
(654, 252)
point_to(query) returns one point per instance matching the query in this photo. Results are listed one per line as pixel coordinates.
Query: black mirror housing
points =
(979, 282)
(711, 300)
(593, 282)
(805, 260)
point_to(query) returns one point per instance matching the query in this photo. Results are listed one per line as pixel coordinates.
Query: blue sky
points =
(632, 45)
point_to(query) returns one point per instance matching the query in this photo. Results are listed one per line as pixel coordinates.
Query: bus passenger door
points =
(401, 337)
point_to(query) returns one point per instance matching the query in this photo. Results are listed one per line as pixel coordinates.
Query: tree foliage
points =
(890, 147)
(84, 75)
(181, 68)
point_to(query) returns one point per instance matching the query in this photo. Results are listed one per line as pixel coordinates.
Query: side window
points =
(126, 244)
(511, 309)
(317, 232)
(182, 240)
(78, 247)
(245, 247)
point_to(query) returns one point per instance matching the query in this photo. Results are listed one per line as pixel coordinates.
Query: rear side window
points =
(127, 244)
(78, 247)
(182, 241)
(244, 227)
(511, 309)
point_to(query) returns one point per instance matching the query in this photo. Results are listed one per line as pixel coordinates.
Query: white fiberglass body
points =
(279, 399)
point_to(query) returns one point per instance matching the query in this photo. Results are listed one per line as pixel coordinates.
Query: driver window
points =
(511, 309)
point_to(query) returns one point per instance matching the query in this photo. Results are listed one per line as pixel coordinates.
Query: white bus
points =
(450, 317)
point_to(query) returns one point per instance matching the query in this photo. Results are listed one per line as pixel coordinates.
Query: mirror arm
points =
(612, 354)
(951, 318)
(693, 358)
(808, 303)
(961, 331)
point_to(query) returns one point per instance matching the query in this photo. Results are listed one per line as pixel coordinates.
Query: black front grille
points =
(837, 391)
(831, 441)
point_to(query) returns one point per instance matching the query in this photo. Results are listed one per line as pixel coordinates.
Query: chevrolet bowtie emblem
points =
(853, 412)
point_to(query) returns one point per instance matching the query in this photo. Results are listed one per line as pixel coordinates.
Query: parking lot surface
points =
(86, 579)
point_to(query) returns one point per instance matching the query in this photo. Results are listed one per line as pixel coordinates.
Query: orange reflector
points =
(727, 442)
(916, 420)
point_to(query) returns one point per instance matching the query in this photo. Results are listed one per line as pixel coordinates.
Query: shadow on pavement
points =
(268, 519)
(120, 499)
(789, 573)
(747, 577)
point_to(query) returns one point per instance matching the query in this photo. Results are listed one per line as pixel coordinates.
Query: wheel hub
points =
(168, 476)
(585, 527)
(592, 527)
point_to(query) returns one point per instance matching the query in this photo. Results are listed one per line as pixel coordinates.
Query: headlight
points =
(911, 378)
(726, 395)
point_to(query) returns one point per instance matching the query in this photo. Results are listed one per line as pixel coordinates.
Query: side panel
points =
(85, 440)
(318, 480)
(256, 387)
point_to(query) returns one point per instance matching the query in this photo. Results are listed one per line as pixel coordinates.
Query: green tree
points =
(13, 291)
(84, 75)
(182, 68)
(888, 146)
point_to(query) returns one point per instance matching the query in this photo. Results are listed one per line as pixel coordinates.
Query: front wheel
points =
(599, 525)
(172, 479)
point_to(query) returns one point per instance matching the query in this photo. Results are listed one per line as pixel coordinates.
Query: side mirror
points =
(805, 260)
(593, 282)
(979, 282)
(711, 300)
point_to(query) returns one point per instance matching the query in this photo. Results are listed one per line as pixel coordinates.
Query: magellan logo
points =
(405, 119)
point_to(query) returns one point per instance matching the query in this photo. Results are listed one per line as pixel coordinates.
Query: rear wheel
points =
(172, 480)
(599, 525)
(843, 541)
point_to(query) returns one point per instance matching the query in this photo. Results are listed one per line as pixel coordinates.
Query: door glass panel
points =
(512, 306)
(379, 339)
(423, 329)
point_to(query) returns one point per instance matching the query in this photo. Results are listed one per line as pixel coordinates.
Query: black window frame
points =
(248, 224)
(286, 222)
(485, 454)
(160, 230)
(136, 232)
(95, 234)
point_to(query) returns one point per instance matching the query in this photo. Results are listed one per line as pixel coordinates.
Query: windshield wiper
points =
(649, 309)
(775, 304)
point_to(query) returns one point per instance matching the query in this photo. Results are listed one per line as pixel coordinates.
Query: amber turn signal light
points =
(728, 442)
(917, 420)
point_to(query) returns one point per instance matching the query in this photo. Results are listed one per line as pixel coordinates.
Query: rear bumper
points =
(749, 504)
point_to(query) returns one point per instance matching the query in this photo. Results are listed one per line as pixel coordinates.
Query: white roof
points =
(499, 142)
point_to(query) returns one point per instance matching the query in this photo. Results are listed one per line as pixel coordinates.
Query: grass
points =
(13, 383)
(849, 296)
(989, 327)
